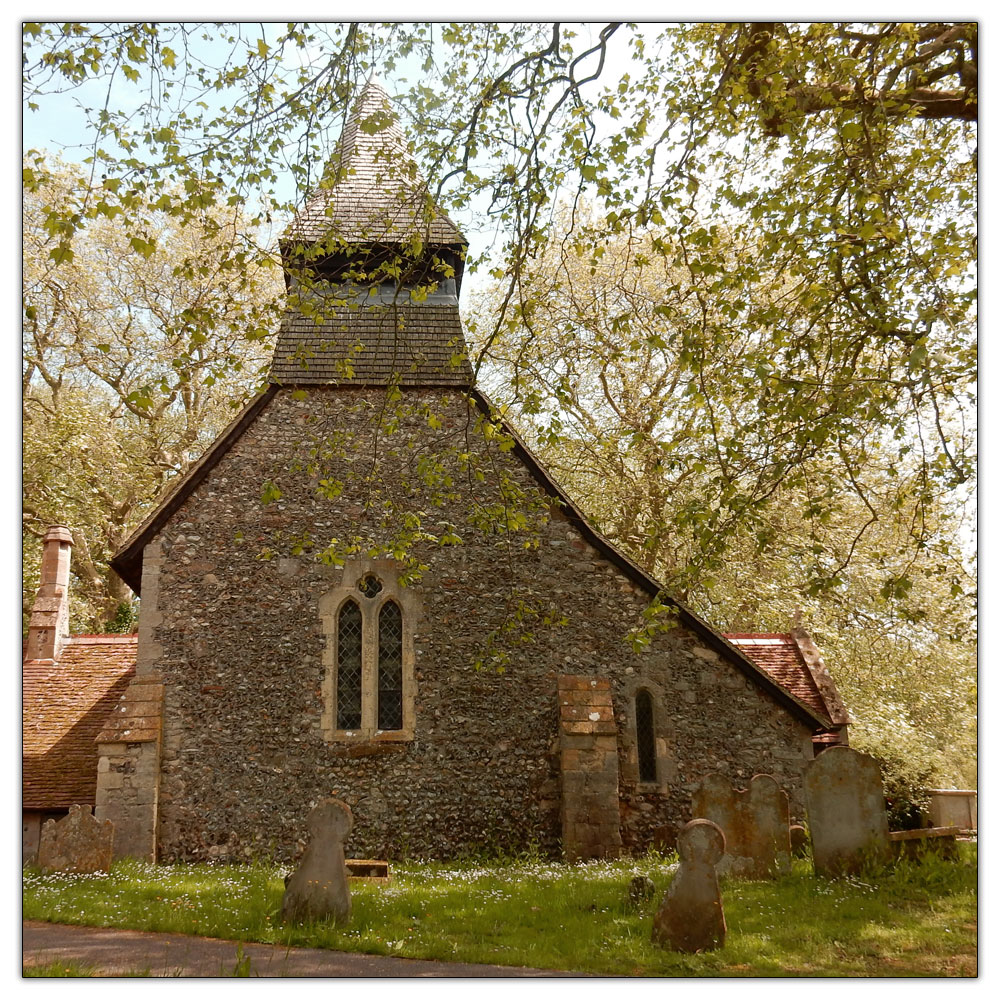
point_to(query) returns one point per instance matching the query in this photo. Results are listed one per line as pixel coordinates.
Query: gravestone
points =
(640, 891)
(846, 808)
(754, 821)
(690, 918)
(76, 843)
(318, 888)
(799, 838)
(664, 838)
(941, 840)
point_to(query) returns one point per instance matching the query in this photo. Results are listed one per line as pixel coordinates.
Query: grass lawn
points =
(916, 919)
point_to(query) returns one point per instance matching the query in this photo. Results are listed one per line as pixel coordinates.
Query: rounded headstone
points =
(799, 840)
(640, 891)
(701, 842)
(318, 889)
(690, 918)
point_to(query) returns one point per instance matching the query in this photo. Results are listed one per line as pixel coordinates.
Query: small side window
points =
(645, 739)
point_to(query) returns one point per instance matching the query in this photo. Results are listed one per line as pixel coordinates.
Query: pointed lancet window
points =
(645, 736)
(390, 667)
(349, 667)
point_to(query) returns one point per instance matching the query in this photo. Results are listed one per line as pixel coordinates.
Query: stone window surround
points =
(408, 600)
(662, 736)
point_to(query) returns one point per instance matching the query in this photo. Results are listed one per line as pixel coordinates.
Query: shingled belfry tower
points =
(369, 587)
(373, 268)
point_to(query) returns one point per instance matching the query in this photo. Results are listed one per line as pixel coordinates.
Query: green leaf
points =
(270, 493)
(61, 254)
(141, 246)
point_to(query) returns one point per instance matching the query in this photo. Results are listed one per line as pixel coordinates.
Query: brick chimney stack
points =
(48, 627)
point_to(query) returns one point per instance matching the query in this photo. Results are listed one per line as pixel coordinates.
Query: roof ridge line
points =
(124, 561)
(91, 638)
(639, 575)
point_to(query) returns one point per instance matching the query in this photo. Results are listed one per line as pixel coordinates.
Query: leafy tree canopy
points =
(130, 364)
(836, 159)
(735, 508)
(731, 265)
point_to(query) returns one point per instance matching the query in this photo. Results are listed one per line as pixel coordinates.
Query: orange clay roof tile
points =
(778, 654)
(64, 706)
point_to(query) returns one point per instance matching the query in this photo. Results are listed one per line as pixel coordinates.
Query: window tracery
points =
(390, 667)
(349, 681)
(368, 688)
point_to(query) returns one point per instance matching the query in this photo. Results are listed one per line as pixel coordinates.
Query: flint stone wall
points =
(237, 639)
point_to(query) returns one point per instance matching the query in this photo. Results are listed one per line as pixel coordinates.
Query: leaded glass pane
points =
(349, 667)
(644, 736)
(390, 667)
(370, 586)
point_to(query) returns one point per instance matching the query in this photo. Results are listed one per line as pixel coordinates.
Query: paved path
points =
(110, 951)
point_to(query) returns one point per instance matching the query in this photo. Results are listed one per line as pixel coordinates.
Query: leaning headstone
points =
(799, 838)
(640, 891)
(755, 822)
(690, 918)
(76, 843)
(318, 888)
(846, 808)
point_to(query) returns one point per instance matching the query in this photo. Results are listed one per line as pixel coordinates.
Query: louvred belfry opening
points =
(373, 269)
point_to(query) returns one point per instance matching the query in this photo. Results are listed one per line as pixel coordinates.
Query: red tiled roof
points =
(64, 706)
(779, 655)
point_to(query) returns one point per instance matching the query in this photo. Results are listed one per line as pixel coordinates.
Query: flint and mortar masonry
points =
(240, 646)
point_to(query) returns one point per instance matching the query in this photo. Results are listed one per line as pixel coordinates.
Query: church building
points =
(368, 587)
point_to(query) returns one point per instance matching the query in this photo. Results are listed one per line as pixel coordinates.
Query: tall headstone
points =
(318, 888)
(754, 821)
(690, 918)
(846, 808)
(76, 843)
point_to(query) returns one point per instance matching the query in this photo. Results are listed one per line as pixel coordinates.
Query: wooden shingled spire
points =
(371, 191)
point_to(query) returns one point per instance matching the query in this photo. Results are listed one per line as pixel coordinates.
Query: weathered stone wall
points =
(127, 783)
(239, 645)
(31, 831)
(708, 718)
